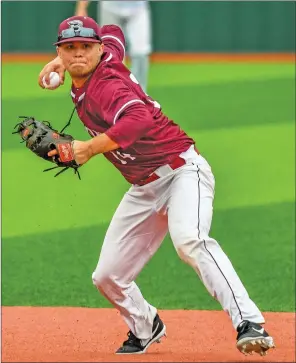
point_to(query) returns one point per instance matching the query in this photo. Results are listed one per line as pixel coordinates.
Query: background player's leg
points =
(134, 235)
(138, 32)
(105, 16)
(190, 216)
(139, 68)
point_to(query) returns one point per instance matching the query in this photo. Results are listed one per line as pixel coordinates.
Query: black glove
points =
(41, 138)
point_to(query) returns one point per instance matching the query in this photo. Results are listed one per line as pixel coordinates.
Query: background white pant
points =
(134, 19)
(180, 202)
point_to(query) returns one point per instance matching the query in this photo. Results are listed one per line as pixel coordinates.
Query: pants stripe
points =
(205, 245)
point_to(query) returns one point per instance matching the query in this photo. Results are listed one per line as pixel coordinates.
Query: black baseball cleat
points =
(134, 345)
(252, 338)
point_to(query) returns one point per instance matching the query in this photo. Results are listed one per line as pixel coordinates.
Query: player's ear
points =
(101, 48)
(58, 50)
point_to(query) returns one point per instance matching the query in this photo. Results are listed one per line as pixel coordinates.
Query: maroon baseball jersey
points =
(112, 102)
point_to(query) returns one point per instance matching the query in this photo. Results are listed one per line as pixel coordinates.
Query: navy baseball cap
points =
(79, 28)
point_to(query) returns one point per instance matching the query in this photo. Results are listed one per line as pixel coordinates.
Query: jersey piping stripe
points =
(205, 245)
(109, 58)
(81, 97)
(119, 41)
(72, 94)
(124, 106)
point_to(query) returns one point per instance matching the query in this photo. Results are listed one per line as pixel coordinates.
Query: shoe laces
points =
(244, 325)
(132, 339)
(242, 328)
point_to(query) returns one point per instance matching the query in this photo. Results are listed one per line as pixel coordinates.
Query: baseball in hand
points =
(54, 80)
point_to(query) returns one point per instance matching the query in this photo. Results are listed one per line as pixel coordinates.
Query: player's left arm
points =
(125, 113)
(85, 150)
(131, 126)
(134, 123)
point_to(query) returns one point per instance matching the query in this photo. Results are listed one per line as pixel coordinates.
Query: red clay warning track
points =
(31, 334)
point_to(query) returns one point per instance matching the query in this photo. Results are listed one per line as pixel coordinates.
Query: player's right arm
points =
(114, 41)
(81, 8)
(56, 65)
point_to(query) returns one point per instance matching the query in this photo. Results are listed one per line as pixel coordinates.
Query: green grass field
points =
(242, 117)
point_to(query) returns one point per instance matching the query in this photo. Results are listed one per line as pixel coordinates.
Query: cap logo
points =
(75, 24)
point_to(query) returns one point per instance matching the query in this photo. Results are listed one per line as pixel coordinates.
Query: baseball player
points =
(172, 187)
(134, 19)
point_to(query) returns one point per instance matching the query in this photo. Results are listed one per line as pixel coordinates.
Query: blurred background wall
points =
(178, 26)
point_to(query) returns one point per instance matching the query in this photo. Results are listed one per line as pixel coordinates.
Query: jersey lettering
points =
(122, 156)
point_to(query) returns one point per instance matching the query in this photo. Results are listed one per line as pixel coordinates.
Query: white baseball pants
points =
(180, 202)
(135, 24)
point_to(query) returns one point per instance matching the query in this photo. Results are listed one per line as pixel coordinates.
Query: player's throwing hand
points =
(55, 65)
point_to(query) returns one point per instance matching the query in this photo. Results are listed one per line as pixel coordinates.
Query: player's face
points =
(80, 58)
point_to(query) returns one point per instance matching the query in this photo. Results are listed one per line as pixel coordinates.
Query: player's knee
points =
(187, 245)
(185, 252)
(101, 278)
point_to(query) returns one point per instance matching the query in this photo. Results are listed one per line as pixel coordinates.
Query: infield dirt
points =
(61, 334)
